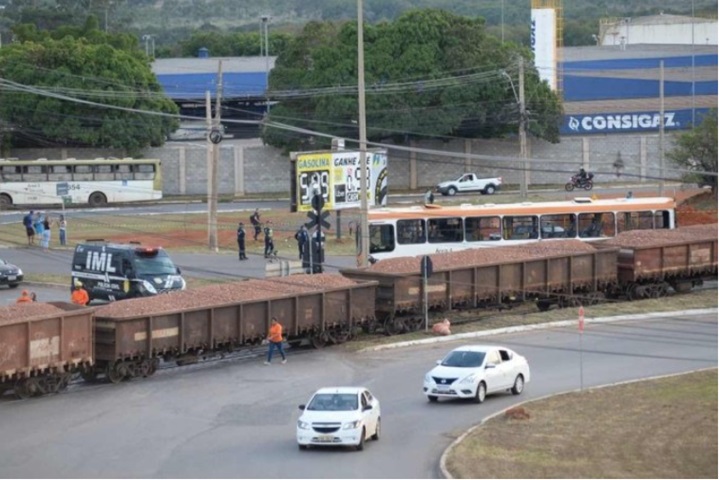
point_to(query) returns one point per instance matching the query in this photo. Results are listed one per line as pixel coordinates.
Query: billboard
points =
(544, 41)
(624, 122)
(336, 176)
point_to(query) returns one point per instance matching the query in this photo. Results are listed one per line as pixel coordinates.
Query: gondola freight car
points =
(133, 335)
(42, 345)
(546, 272)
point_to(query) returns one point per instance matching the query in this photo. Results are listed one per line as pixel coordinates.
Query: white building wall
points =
(705, 33)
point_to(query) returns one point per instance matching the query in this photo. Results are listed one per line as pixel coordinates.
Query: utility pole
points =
(364, 225)
(266, 33)
(523, 134)
(214, 164)
(661, 127)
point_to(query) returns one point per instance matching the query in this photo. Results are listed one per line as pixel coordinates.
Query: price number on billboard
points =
(314, 182)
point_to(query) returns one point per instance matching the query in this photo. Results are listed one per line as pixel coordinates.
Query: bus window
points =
(11, 174)
(35, 173)
(381, 238)
(144, 171)
(596, 225)
(662, 219)
(123, 172)
(104, 172)
(445, 230)
(482, 229)
(59, 173)
(521, 227)
(559, 226)
(82, 173)
(635, 221)
(410, 232)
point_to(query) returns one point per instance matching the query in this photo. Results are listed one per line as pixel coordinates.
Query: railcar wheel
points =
(393, 326)
(113, 373)
(318, 341)
(543, 305)
(21, 389)
(154, 363)
(89, 375)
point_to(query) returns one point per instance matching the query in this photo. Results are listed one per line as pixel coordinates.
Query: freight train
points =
(43, 345)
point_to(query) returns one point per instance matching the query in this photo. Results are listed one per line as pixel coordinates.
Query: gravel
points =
(223, 294)
(660, 238)
(484, 256)
(27, 311)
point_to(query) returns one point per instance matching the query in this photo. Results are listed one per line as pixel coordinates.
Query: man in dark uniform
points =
(269, 243)
(241, 240)
(302, 237)
(255, 221)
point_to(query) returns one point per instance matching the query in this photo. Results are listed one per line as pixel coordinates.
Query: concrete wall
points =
(248, 167)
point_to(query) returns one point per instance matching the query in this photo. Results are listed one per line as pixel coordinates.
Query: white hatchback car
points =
(474, 371)
(339, 416)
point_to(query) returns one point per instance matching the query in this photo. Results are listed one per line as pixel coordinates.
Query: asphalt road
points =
(236, 418)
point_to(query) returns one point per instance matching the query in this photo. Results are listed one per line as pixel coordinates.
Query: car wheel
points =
(302, 447)
(360, 445)
(490, 189)
(432, 398)
(481, 393)
(97, 199)
(518, 385)
(377, 430)
(451, 191)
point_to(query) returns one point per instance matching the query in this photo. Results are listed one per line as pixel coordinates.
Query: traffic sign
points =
(62, 189)
(322, 220)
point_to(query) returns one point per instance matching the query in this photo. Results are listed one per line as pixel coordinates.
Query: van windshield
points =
(159, 264)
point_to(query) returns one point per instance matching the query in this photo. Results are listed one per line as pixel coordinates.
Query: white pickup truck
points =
(469, 182)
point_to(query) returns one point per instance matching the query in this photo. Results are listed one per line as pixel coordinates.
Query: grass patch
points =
(663, 428)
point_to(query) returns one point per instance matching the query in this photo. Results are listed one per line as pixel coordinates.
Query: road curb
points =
(443, 459)
(537, 326)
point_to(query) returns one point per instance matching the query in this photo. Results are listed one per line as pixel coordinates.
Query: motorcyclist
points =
(582, 176)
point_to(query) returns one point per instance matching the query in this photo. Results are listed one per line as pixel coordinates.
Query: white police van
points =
(110, 271)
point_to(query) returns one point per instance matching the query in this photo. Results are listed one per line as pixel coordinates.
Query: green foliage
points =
(83, 66)
(430, 73)
(696, 150)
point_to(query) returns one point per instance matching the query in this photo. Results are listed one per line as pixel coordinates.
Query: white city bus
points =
(95, 182)
(422, 230)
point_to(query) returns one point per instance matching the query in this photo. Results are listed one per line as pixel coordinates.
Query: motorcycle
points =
(575, 181)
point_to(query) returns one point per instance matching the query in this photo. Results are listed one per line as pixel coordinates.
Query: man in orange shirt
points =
(275, 339)
(79, 295)
(24, 297)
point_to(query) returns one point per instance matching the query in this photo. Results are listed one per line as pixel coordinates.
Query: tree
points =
(430, 73)
(90, 69)
(696, 150)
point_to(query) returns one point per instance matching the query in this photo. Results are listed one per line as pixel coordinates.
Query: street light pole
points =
(364, 225)
(265, 22)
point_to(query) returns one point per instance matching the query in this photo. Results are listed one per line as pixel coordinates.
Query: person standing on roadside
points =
(38, 225)
(241, 240)
(79, 295)
(27, 222)
(302, 237)
(62, 224)
(275, 339)
(269, 242)
(255, 221)
(24, 297)
(46, 234)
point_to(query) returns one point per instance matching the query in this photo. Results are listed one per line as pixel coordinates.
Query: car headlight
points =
(19, 271)
(352, 425)
(303, 425)
(469, 379)
(148, 286)
(428, 378)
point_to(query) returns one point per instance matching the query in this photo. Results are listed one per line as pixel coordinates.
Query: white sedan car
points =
(339, 416)
(473, 371)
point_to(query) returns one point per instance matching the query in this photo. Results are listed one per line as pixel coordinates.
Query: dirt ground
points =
(694, 208)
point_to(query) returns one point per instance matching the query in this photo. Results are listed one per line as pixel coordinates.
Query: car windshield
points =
(160, 264)
(333, 402)
(464, 359)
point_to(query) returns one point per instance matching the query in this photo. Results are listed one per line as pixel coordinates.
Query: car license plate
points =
(443, 388)
(11, 277)
(325, 438)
